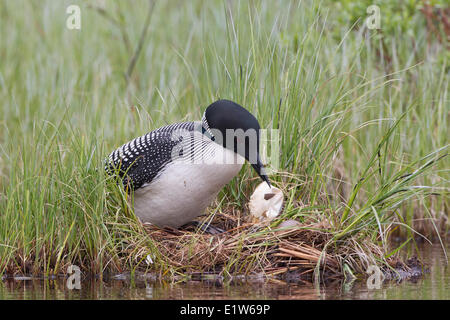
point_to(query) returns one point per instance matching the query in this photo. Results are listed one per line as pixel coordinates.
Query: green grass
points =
(363, 125)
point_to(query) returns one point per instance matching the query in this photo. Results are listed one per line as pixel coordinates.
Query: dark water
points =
(434, 285)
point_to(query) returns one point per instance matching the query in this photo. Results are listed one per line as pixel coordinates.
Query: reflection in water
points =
(434, 285)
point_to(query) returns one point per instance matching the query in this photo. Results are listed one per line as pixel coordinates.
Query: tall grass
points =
(363, 138)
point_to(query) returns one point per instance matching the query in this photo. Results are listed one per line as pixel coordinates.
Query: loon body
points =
(176, 171)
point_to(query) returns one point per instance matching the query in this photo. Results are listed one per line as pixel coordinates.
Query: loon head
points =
(232, 126)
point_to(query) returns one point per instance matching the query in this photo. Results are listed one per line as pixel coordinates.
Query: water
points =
(434, 285)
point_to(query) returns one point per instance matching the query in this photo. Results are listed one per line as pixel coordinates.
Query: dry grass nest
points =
(248, 247)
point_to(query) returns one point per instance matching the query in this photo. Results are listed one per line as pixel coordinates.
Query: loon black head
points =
(236, 129)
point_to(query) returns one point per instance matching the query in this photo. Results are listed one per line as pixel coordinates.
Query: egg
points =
(266, 202)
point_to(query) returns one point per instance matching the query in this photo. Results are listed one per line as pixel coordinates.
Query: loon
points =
(176, 171)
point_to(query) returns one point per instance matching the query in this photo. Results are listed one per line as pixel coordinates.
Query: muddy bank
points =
(412, 270)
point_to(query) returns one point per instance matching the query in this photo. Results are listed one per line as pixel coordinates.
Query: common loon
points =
(176, 171)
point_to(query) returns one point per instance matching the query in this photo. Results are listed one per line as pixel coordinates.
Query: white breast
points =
(184, 189)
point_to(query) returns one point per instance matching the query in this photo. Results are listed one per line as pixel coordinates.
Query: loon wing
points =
(140, 160)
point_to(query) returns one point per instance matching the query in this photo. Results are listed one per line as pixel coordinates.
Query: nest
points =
(247, 247)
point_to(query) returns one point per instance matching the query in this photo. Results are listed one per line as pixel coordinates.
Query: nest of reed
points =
(300, 251)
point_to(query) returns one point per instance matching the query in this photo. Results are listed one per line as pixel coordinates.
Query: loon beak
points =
(260, 170)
